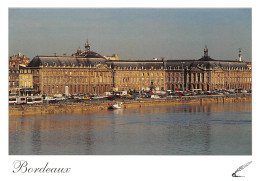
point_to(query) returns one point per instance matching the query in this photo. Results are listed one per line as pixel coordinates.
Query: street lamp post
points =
(182, 76)
(112, 72)
(229, 76)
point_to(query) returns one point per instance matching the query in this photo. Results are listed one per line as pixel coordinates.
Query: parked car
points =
(171, 96)
(208, 93)
(111, 97)
(87, 98)
(60, 98)
(53, 101)
(226, 93)
(186, 94)
(155, 96)
(243, 91)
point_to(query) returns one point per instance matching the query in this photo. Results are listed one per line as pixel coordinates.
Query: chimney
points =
(116, 56)
(16, 66)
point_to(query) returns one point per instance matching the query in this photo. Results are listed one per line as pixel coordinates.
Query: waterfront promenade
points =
(103, 105)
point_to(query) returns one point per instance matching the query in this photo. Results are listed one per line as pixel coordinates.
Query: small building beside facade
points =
(21, 82)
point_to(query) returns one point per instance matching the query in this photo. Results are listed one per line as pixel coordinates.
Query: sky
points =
(132, 33)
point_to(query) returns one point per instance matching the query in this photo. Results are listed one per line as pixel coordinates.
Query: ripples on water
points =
(213, 129)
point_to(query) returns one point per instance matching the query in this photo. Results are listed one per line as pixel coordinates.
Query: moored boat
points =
(116, 106)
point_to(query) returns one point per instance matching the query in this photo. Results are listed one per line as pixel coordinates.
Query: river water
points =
(210, 129)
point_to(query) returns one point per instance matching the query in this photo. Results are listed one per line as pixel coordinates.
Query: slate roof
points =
(204, 62)
(65, 61)
(139, 64)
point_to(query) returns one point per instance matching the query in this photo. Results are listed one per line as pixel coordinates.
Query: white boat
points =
(117, 106)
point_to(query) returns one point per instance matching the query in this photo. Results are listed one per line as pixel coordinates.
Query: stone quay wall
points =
(44, 109)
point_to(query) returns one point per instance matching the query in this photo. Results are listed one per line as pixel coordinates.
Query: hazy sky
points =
(132, 33)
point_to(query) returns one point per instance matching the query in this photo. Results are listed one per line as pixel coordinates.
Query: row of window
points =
(52, 80)
(21, 71)
(23, 84)
(13, 84)
(232, 79)
(25, 71)
(21, 76)
(25, 77)
(152, 74)
(136, 80)
(137, 68)
(74, 89)
(61, 72)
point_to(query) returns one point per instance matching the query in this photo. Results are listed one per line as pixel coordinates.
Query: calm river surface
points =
(212, 129)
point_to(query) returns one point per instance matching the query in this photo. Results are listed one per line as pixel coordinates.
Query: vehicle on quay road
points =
(13, 100)
(155, 96)
(243, 91)
(17, 100)
(34, 100)
(21, 100)
(99, 97)
(87, 98)
(75, 96)
(171, 96)
(59, 97)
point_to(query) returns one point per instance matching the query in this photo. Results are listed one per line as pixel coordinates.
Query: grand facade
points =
(89, 72)
(83, 72)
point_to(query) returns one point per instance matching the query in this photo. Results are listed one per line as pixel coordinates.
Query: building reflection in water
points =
(179, 130)
(195, 135)
(36, 139)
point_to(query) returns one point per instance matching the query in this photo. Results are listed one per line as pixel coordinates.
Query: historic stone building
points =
(89, 72)
(205, 73)
(13, 82)
(18, 60)
(208, 74)
(83, 72)
(138, 75)
(20, 81)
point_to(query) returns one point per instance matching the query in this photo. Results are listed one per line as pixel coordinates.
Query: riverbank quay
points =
(99, 106)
